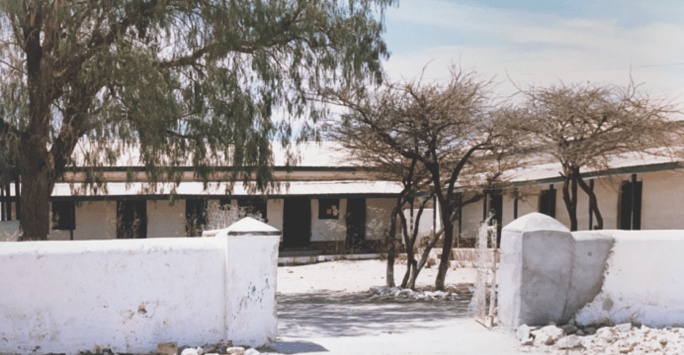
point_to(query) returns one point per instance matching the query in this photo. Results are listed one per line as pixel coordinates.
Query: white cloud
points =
(541, 49)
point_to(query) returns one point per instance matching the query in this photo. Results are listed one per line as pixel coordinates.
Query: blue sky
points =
(541, 42)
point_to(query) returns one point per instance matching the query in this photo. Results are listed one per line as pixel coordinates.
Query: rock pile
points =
(452, 293)
(620, 339)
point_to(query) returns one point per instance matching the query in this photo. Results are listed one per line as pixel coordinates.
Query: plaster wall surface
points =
(274, 210)
(130, 295)
(662, 196)
(378, 217)
(95, 220)
(324, 230)
(642, 282)
(607, 192)
(424, 225)
(164, 220)
(471, 219)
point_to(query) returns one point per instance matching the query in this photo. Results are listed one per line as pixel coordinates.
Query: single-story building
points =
(328, 203)
(638, 191)
(325, 202)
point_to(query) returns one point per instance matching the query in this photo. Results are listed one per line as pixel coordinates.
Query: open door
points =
(356, 221)
(297, 222)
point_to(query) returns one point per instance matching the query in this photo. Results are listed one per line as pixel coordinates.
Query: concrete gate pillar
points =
(537, 255)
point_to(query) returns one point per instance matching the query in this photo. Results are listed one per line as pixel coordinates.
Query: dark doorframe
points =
(356, 221)
(296, 222)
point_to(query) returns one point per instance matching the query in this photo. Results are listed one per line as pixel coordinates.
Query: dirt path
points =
(323, 309)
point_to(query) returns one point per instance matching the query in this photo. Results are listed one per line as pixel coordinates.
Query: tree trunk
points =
(446, 249)
(390, 241)
(36, 189)
(409, 243)
(570, 202)
(423, 259)
(593, 203)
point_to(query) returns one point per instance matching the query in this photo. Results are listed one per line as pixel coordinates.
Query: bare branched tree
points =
(584, 125)
(454, 134)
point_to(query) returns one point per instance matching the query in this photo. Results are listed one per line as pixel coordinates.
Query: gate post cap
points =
(250, 226)
(536, 221)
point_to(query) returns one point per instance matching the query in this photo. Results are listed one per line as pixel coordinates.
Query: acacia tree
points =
(185, 82)
(453, 131)
(366, 150)
(584, 125)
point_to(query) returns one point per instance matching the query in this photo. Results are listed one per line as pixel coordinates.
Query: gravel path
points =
(326, 309)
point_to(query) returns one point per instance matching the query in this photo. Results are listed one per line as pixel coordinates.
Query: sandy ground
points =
(357, 276)
(323, 309)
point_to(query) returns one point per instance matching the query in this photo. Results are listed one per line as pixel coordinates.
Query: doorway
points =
(297, 222)
(356, 221)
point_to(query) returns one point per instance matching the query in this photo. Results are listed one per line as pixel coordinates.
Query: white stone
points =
(624, 327)
(523, 333)
(547, 335)
(252, 352)
(193, 351)
(236, 350)
(569, 342)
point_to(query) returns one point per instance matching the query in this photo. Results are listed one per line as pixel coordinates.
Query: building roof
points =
(549, 172)
(218, 190)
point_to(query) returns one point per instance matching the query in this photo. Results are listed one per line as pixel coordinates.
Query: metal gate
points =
(485, 284)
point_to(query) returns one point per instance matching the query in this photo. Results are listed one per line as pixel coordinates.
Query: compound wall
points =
(130, 295)
(549, 274)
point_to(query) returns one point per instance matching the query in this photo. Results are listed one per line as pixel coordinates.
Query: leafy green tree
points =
(184, 82)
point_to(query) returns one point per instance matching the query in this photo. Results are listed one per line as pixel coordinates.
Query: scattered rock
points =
(624, 327)
(167, 348)
(620, 339)
(237, 350)
(569, 342)
(606, 333)
(523, 333)
(453, 293)
(547, 335)
(193, 351)
(569, 329)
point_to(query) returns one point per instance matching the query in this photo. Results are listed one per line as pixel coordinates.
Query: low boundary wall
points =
(130, 295)
(549, 274)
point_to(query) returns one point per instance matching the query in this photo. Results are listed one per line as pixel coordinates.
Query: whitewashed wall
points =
(662, 204)
(130, 295)
(94, 220)
(324, 230)
(274, 210)
(642, 282)
(164, 220)
(378, 217)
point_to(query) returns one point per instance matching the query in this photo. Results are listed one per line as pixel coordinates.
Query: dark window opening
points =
(195, 217)
(225, 201)
(547, 202)
(254, 206)
(63, 215)
(329, 208)
(630, 204)
(131, 219)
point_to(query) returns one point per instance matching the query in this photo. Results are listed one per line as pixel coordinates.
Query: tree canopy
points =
(187, 82)
(456, 133)
(584, 125)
